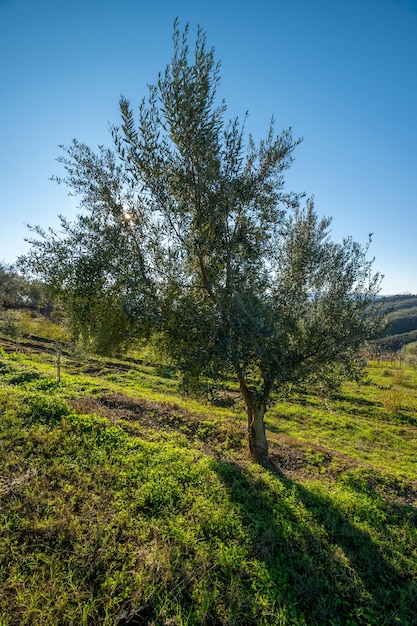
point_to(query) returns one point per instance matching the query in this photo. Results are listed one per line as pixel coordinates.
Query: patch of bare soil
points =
(120, 407)
(145, 415)
(299, 460)
(33, 345)
(98, 369)
(40, 345)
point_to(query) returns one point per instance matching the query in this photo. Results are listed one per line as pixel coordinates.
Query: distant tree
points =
(9, 286)
(15, 290)
(186, 228)
(13, 287)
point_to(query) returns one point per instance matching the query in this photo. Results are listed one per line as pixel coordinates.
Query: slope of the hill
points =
(401, 328)
(124, 503)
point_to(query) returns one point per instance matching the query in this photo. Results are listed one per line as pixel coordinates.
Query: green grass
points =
(121, 499)
(374, 423)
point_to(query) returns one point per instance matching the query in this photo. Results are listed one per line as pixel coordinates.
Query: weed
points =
(392, 400)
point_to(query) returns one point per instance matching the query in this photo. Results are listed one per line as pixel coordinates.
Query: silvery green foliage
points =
(187, 228)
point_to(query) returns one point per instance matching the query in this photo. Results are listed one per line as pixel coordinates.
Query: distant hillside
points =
(402, 322)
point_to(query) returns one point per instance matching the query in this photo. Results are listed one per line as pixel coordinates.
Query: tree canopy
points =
(186, 228)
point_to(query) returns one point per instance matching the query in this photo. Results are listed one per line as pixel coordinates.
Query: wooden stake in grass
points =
(58, 364)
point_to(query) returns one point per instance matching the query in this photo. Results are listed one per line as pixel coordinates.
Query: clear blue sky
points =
(342, 73)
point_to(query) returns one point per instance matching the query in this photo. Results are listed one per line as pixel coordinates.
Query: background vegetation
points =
(402, 322)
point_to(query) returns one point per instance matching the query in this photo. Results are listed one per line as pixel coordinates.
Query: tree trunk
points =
(258, 445)
(255, 411)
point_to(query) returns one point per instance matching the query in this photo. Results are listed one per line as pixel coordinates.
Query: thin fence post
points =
(58, 364)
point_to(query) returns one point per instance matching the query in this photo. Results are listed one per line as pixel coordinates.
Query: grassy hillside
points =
(402, 322)
(124, 503)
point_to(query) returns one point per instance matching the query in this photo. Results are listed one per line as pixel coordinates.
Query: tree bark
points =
(258, 445)
(255, 411)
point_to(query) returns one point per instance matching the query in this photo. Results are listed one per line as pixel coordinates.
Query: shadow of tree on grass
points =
(322, 567)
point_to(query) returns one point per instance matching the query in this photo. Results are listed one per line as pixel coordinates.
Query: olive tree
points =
(186, 228)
